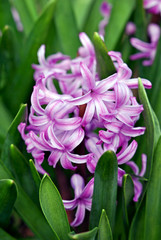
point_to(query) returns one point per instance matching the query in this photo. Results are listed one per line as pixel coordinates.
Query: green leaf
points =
(5, 119)
(5, 236)
(120, 14)
(93, 18)
(128, 193)
(7, 198)
(155, 77)
(90, 235)
(140, 21)
(152, 126)
(28, 211)
(22, 174)
(104, 229)
(23, 80)
(153, 199)
(81, 10)
(35, 174)
(66, 27)
(53, 208)
(9, 55)
(105, 189)
(137, 228)
(104, 63)
(5, 15)
(13, 137)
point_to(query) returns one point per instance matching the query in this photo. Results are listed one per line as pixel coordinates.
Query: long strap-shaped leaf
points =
(23, 78)
(104, 63)
(104, 230)
(8, 195)
(118, 21)
(29, 212)
(90, 235)
(153, 199)
(137, 229)
(53, 208)
(105, 189)
(66, 27)
(5, 236)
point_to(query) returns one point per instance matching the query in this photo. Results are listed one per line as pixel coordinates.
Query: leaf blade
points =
(8, 197)
(53, 209)
(120, 14)
(105, 189)
(90, 235)
(29, 212)
(104, 229)
(104, 63)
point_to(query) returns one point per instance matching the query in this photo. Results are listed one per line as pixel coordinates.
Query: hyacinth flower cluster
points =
(147, 49)
(153, 6)
(60, 121)
(69, 104)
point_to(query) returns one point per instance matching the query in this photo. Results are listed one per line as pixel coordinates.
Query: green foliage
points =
(120, 14)
(104, 230)
(57, 23)
(63, 18)
(7, 198)
(53, 208)
(104, 63)
(90, 235)
(152, 126)
(105, 189)
(5, 236)
(128, 193)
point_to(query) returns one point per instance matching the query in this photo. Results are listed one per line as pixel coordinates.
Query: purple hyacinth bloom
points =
(54, 63)
(123, 156)
(148, 50)
(153, 6)
(82, 200)
(137, 185)
(130, 28)
(69, 104)
(17, 19)
(105, 10)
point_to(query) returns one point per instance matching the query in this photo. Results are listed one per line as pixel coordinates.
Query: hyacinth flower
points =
(124, 156)
(148, 50)
(105, 10)
(61, 121)
(153, 6)
(56, 62)
(82, 200)
(130, 28)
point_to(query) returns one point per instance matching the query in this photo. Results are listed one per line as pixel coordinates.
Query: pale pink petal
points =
(144, 163)
(70, 204)
(125, 156)
(73, 139)
(133, 132)
(79, 217)
(88, 78)
(65, 162)
(77, 183)
(54, 157)
(89, 113)
(88, 190)
(68, 123)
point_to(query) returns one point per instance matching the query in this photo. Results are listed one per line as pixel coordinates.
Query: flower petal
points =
(70, 204)
(79, 217)
(77, 183)
(129, 152)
